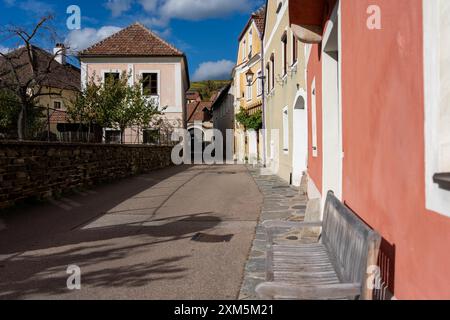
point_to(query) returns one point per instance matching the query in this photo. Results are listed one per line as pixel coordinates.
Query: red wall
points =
(315, 70)
(383, 136)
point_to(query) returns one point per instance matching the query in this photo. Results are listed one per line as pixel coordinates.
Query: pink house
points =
(379, 136)
(139, 52)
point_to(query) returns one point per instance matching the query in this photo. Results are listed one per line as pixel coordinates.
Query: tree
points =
(250, 121)
(114, 104)
(22, 75)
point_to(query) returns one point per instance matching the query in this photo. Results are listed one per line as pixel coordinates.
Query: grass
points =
(209, 87)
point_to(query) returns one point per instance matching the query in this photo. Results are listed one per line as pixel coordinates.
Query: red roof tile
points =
(135, 40)
(59, 117)
(259, 17)
(195, 111)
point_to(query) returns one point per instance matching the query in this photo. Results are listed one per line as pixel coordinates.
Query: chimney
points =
(60, 53)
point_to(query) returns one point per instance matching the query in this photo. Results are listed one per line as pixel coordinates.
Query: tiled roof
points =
(135, 40)
(59, 117)
(52, 73)
(259, 16)
(260, 19)
(195, 111)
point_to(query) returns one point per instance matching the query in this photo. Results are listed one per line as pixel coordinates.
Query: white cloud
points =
(149, 5)
(203, 9)
(4, 49)
(118, 7)
(165, 10)
(81, 39)
(214, 70)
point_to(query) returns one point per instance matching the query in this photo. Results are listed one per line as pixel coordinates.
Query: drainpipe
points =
(263, 83)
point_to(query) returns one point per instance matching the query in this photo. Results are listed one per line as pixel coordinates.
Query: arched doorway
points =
(300, 123)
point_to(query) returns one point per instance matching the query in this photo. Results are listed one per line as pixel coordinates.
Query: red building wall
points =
(315, 71)
(383, 139)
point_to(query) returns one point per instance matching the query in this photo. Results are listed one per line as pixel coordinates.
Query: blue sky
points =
(206, 30)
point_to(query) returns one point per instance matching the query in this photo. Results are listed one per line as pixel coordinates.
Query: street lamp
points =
(249, 76)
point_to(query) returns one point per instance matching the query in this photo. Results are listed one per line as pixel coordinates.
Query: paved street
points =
(178, 233)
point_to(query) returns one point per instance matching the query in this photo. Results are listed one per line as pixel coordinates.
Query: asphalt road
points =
(178, 233)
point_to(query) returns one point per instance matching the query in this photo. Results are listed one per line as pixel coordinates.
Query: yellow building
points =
(249, 144)
(285, 95)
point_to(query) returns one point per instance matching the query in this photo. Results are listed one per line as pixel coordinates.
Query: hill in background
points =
(209, 87)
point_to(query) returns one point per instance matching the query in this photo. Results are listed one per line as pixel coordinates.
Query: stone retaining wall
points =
(43, 170)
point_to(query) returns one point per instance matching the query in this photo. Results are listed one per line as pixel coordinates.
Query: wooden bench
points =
(335, 267)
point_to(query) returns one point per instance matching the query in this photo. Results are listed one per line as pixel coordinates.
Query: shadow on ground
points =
(42, 241)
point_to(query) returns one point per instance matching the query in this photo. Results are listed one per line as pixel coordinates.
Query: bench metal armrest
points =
(280, 290)
(272, 224)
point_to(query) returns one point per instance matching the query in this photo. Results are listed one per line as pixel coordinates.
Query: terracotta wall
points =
(383, 135)
(315, 72)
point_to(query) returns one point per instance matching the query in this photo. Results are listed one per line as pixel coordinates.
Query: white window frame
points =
(284, 55)
(244, 50)
(437, 199)
(294, 43)
(60, 101)
(259, 83)
(249, 92)
(285, 130)
(315, 148)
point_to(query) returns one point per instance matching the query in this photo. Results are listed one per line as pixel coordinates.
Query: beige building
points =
(285, 95)
(140, 53)
(248, 144)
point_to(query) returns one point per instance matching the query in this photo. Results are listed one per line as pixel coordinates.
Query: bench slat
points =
(334, 268)
(283, 290)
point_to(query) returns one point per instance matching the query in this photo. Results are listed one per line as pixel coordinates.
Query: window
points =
(272, 67)
(314, 119)
(150, 84)
(57, 105)
(284, 51)
(151, 136)
(250, 43)
(244, 50)
(259, 83)
(268, 77)
(279, 6)
(285, 130)
(294, 49)
(249, 92)
(115, 76)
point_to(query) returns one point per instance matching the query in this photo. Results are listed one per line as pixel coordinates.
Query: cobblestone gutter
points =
(281, 202)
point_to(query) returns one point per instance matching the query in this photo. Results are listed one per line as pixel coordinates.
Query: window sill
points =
(443, 180)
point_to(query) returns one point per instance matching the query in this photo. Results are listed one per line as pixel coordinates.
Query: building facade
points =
(224, 120)
(138, 52)
(285, 95)
(378, 114)
(59, 86)
(249, 97)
